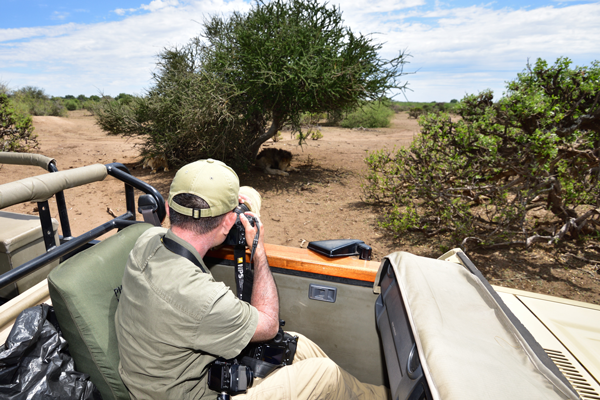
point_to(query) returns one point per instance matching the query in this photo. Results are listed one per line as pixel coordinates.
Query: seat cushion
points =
(85, 292)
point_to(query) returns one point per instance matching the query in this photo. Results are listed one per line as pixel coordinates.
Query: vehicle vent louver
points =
(579, 383)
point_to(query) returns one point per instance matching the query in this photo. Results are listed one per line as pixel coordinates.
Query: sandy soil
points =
(321, 201)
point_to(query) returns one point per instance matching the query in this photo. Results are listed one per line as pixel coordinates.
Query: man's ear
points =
(228, 222)
(167, 209)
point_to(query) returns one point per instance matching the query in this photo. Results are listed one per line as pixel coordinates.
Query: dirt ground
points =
(321, 201)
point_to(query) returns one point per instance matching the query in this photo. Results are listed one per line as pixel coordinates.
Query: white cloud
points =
(498, 43)
(159, 4)
(376, 6)
(479, 33)
(154, 5)
(123, 11)
(58, 15)
(112, 57)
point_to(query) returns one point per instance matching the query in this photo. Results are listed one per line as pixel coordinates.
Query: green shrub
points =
(4, 89)
(334, 117)
(415, 112)
(486, 178)
(395, 107)
(90, 106)
(315, 134)
(124, 98)
(370, 115)
(16, 130)
(309, 118)
(72, 105)
(57, 108)
(34, 101)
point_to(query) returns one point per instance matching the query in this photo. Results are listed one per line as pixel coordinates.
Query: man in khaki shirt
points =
(174, 319)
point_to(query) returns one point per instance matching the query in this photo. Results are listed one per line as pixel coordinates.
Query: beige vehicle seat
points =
(468, 348)
(85, 292)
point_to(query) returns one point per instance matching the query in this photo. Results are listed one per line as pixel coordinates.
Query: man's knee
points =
(306, 348)
(327, 371)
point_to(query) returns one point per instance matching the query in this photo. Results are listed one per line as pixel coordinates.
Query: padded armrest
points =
(26, 159)
(42, 187)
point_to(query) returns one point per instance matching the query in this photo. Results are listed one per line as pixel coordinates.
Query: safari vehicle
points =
(426, 328)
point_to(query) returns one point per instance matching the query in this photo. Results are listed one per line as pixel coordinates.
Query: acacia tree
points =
(229, 90)
(515, 172)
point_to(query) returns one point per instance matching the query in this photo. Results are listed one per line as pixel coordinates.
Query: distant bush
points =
(125, 99)
(16, 129)
(395, 107)
(72, 105)
(415, 112)
(370, 115)
(85, 103)
(315, 134)
(4, 89)
(90, 105)
(309, 118)
(277, 137)
(334, 117)
(34, 101)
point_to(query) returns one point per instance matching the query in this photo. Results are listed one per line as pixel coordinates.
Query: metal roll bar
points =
(41, 188)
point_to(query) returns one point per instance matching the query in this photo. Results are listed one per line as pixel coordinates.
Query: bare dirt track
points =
(321, 201)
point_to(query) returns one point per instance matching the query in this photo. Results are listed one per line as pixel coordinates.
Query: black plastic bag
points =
(35, 362)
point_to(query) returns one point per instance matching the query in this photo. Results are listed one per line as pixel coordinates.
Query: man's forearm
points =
(264, 298)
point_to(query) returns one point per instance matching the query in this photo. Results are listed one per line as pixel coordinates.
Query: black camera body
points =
(229, 376)
(258, 360)
(237, 233)
(278, 351)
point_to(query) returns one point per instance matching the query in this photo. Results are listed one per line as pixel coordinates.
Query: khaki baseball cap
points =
(213, 181)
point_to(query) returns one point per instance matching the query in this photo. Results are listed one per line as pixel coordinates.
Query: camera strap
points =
(260, 368)
(244, 277)
(178, 249)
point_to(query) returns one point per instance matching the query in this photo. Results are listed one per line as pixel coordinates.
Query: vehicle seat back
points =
(85, 292)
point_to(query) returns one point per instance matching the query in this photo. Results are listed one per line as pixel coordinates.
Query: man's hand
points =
(252, 230)
(264, 291)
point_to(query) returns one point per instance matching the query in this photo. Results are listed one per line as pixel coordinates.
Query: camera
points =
(278, 351)
(237, 233)
(229, 376)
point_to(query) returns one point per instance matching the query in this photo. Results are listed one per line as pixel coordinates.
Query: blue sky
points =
(32, 13)
(457, 46)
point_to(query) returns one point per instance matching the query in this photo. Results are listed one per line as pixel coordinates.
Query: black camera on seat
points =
(229, 376)
(237, 233)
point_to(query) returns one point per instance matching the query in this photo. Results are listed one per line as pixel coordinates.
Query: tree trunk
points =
(556, 203)
(272, 131)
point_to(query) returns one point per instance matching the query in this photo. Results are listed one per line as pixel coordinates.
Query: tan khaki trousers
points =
(311, 376)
